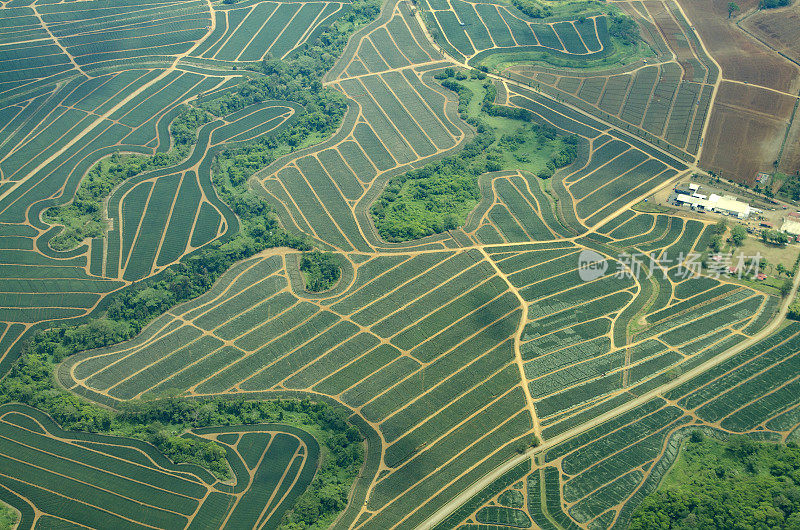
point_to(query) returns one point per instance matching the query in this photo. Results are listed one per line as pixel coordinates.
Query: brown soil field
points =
(790, 160)
(746, 130)
(778, 28)
(758, 100)
(741, 57)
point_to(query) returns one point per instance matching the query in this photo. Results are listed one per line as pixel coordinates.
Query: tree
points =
(322, 270)
(772, 4)
(733, 7)
(786, 287)
(739, 484)
(738, 235)
(716, 243)
(794, 310)
(774, 237)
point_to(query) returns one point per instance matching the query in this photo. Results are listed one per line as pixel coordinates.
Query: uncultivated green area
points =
(536, 9)
(438, 197)
(8, 517)
(622, 54)
(738, 483)
(321, 270)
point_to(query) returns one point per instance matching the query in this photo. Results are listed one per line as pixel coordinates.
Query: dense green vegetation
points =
(774, 237)
(772, 4)
(553, 8)
(8, 517)
(623, 29)
(438, 196)
(321, 270)
(734, 484)
(532, 8)
(738, 235)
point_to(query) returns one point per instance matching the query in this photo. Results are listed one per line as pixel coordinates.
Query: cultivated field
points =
(56, 478)
(663, 100)
(502, 386)
(746, 132)
(599, 477)
(779, 31)
(765, 76)
(476, 31)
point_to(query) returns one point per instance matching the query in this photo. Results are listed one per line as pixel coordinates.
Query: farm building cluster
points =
(691, 195)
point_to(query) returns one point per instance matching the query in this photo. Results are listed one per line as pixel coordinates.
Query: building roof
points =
(695, 201)
(791, 227)
(726, 204)
(729, 204)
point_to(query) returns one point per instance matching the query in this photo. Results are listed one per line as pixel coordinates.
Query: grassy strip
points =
(622, 54)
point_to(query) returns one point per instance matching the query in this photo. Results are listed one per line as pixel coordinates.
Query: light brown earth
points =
(745, 132)
(741, 56)
(778, 28)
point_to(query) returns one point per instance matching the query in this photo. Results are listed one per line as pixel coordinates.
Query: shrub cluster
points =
(321, 270)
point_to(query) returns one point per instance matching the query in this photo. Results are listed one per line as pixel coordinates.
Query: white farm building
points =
(725, 205)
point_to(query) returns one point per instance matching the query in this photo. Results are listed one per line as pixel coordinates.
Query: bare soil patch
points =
(745, 133)
(742, 57)
(779, 28)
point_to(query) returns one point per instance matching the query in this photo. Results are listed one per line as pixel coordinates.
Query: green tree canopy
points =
(737, 484)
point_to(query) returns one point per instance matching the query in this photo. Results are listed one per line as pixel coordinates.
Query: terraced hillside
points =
(495, 382)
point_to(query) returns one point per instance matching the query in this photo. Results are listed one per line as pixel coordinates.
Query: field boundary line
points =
(517, 341)
(467, 494)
